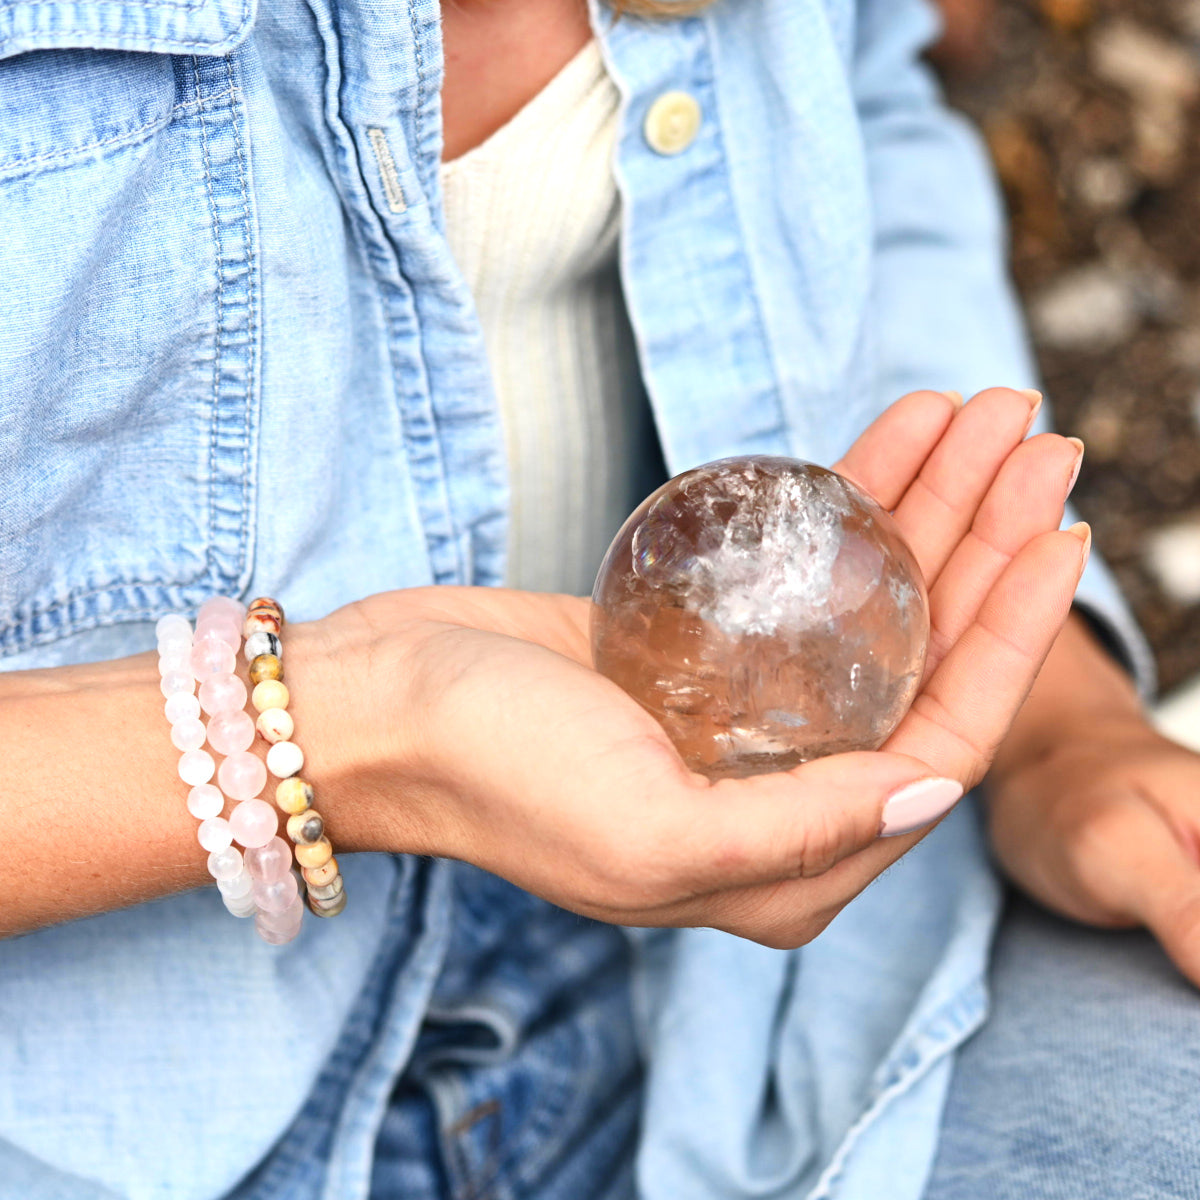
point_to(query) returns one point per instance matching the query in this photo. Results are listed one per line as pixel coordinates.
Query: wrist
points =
(349, 688)
(1079, 696)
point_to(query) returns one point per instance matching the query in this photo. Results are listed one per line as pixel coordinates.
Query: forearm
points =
(1079, 689)
(92, 806)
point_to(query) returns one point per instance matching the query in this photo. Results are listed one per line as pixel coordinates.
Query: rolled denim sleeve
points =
(944, 313)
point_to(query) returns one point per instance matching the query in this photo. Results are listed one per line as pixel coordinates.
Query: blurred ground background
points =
(1091, 109)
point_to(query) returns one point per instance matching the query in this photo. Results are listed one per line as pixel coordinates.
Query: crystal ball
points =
(766, 611)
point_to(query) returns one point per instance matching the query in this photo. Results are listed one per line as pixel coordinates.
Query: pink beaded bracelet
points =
(259, 882)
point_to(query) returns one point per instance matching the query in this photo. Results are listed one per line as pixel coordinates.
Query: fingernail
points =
(918, 804)
(1078, 463)
(1035, 401)
(955, 398)
(1083, 531)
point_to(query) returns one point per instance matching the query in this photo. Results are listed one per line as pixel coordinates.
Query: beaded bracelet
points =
(263, 628)
(260, 882)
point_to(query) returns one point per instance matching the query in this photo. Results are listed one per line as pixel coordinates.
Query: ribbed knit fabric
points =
(532, 217)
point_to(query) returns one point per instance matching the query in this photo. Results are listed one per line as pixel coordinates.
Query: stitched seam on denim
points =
(132, 42)
(19, 634)
(533, 1144)
(251, 332)
(925, 1061)
(12, 641)
(117, 4)
(120, 139)
(356, 1039)
(216, 395)
(416, 37)
(739, 217)
(453, 534)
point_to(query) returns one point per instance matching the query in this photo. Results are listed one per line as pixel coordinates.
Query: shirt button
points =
(672, 122)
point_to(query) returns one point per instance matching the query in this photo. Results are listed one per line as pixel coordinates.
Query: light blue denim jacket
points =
(236, 356)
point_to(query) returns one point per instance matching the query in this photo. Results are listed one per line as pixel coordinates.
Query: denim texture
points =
(236, 356)
(1083, 1081)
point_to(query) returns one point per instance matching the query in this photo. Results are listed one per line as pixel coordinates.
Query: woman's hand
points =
(1094, 813)
(490, 738)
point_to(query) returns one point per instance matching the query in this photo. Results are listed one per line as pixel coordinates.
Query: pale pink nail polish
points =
(917, 804)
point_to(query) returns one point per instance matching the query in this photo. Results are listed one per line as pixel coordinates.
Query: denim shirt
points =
(237, 357)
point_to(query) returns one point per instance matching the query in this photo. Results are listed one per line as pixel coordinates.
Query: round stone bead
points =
(275, 724)
(225, 864)
(284, 759)
(181, 706)
(241, 906)
(224, 631)
(265, 602)
(242, 776)
(320, 876)
(196, 766)
(306, 827)
(223, 607)
(173, 625)
(204, 801)
(271, 693)
(327, 891)
(315, 855)
(212, 656)
(328, 908)
(254, 823)
(231, 732)
(271, 862)
(262, 621)
(175, 643)
(265, 666)
(188, 734)
(175, 659)
(240, 885)
(294, 795)
(177, 681)
(222, 693)
(215, 834)
(277, 929)
(262, 643)
(277, 896)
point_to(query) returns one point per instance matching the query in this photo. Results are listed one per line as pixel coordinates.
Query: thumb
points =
(1153, 878)
(799, 823)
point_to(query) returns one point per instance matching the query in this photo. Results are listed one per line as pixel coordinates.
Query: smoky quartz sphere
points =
(766, 611)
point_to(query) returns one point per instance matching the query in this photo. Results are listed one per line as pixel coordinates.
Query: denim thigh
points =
(525, 1081)
(1084, 1084)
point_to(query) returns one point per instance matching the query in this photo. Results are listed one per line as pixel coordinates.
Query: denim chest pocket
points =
(129, 326)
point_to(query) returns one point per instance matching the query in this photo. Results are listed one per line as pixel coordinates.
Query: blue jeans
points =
(1084, 1084)
(524, 1083)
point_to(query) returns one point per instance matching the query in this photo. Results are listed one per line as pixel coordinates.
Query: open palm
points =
(508, 750)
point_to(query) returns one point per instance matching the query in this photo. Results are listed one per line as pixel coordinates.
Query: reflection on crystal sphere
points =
(766, 611)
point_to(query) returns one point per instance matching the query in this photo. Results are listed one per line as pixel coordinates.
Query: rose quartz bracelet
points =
(260, 882)
(264, 652)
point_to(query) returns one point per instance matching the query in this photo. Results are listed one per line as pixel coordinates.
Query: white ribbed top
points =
(532, 218)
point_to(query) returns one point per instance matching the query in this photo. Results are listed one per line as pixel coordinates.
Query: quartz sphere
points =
(766, 611)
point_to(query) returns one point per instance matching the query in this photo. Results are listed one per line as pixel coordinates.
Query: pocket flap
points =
(207, 27)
